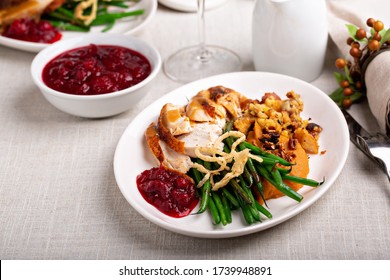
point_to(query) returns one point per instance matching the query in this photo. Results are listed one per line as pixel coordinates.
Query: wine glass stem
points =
(203, 55)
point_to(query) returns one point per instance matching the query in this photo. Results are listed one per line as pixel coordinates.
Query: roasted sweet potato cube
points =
(244, 124)
(307, 141)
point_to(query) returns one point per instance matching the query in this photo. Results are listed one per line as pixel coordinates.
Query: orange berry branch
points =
(365, 46)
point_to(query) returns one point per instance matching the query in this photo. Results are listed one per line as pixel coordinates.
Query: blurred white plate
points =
(190, 5)
(126, 26)
(132, 155)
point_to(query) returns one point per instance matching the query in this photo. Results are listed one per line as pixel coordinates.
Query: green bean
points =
(63, 17)
(284, 171)
(269, 161)
(250, 213)
(228, 126)
(102, 11)
(279, 184)
(65, 22)
(247, 214)
(234, 184)
(197, 178)
(205, 197)
(196, 175)
(225, 203)
(226, 149)
(220, 207)
(68, 26)
(108, 17)
(230, 197)
(109, 26)
(65, 12)
(119, 4)
(253, 172)
(283, 187)
(206, 188)
(263, 210)
(252, 207)
(255, 213)
(240, 180)
(274, 173)
(229, 143)
(205, 163)
(66, 15)
(249, 178)
(245, 210)
(59, 16)
(214, 212)
(240, 191)
(260, 190)
(258, 151)
(304, 181)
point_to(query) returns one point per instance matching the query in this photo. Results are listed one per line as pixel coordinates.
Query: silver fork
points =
(376, 147)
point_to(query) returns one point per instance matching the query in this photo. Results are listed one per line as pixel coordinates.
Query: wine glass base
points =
(193, 63)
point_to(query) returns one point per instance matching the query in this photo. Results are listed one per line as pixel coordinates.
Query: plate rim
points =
(250, 228)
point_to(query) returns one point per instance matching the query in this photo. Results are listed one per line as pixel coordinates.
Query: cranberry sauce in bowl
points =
(96, 69)
(97, 75)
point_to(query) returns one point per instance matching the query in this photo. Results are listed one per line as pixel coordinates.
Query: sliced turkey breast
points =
(202, 135)
(165, 133)
(215, 102)
(203, 109)
(228, 98)
(176, 120)
(164, 154)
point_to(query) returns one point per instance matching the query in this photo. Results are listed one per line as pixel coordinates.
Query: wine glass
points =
(196, 62)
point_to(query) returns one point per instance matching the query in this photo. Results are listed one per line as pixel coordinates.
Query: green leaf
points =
(385, 36)
(347, 74)
(352, 30)
(337, 94)
(356, 96)
(339, 77)
(382, 32)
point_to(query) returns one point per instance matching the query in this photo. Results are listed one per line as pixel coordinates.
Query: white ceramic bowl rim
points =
(88, 39)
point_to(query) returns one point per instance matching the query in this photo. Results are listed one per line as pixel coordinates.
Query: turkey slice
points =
(165, 155)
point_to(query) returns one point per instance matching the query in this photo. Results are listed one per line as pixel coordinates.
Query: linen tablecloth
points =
(59, 198)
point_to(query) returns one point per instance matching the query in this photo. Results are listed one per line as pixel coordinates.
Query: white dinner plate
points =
(190, 5)
(132, 155)
(130, 25)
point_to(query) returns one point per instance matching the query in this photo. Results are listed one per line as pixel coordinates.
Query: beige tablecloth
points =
(59, 198)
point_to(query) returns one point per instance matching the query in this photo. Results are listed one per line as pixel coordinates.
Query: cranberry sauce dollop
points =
(169, 191)
(29, 30)
(96, 69)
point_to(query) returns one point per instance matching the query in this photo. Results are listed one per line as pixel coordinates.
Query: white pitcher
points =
(290, 37)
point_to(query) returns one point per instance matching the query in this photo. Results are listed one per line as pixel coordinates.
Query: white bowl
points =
(101, 105)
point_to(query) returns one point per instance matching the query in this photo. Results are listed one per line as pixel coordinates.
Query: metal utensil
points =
(376, 147)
